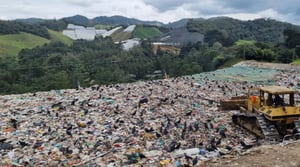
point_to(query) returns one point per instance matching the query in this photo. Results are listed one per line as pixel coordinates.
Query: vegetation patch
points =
(245, 42)
(146, 32)
(102, 26)
(11, 45)
(59, 37)
(120, 35)
(296, 62)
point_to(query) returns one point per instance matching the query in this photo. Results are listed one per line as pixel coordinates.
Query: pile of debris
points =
(170, 122)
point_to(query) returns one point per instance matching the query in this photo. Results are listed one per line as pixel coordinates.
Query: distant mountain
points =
(78, 20)
(177, 24)
(120, 20)
(113, 20)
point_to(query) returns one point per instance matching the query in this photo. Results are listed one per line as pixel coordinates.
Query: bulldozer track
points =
(297, 125)
(258, 125)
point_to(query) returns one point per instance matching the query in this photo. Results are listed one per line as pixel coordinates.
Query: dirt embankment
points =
(279, 155)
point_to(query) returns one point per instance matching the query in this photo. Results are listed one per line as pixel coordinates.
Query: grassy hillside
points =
(11, 45)
(146, 32)
(120, 35)
(102, 26)
(297, 62)
(58, 36)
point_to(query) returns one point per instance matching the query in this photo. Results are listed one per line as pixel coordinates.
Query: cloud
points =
(80, 3)
(269, 13)
(277, 9)
(167, 5)
(160, 10)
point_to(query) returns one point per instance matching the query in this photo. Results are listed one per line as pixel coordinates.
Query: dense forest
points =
(263, 30)
(56, 65)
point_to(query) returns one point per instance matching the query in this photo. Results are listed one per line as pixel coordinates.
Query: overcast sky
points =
(160, 10)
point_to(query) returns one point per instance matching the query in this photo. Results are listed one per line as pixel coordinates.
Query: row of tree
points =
(14, 27)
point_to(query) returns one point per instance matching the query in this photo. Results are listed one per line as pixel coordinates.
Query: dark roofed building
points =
(181, 36)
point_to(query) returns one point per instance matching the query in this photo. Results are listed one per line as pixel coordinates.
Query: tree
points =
(218, 61)
(285, 55)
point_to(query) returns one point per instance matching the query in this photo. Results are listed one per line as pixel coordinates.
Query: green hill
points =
(11, 45)
(58, 36)
(146, 32)
(262, 30)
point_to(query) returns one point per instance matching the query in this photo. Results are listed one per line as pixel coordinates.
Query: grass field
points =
(297, 62)
(146, 32)
(101, 26)
(120, 35)
(244, 42)
(58, 36)
(11, 45)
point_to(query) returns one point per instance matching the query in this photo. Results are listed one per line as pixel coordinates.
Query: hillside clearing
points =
(102, 26)
(146, 32)
(120, 35)
(11, 45)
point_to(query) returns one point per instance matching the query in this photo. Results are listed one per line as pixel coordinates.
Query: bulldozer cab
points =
(270, 96)
(277, 103)
(277, 96)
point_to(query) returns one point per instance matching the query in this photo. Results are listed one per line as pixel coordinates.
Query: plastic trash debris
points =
(189, 152)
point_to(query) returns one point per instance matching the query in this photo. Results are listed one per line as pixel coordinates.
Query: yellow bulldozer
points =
(269, 112)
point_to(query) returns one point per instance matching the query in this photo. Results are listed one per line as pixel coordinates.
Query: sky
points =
(159, 10)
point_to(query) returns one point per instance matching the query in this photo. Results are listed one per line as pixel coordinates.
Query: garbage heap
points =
(169, 122)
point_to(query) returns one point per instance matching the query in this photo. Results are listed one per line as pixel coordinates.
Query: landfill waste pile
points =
(168, 122)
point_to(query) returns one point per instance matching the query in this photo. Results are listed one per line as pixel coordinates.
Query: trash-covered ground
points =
(170, 122)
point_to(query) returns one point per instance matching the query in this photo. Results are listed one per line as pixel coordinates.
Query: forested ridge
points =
(13, 27)
(262, 30)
